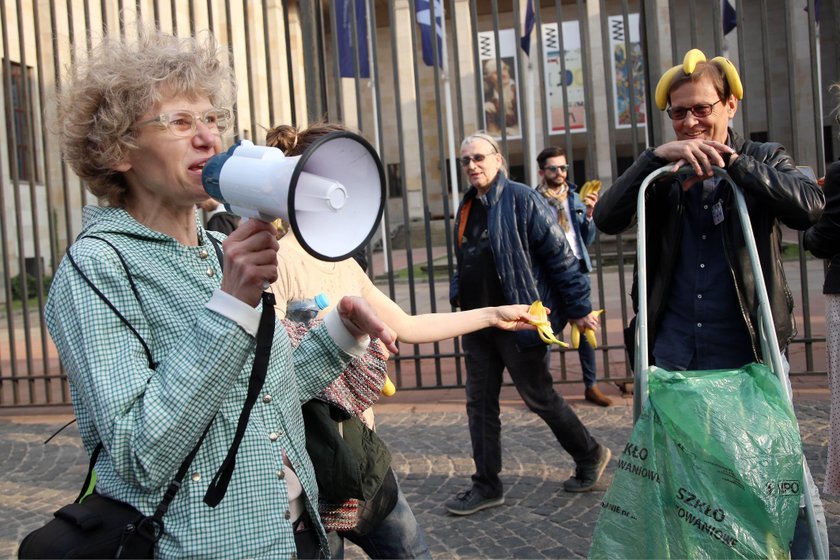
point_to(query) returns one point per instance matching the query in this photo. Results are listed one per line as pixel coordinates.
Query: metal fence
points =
(414, 89)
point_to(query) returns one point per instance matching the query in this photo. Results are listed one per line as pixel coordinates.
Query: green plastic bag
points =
(713, 469)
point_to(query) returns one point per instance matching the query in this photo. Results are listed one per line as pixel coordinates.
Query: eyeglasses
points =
(182, 123)
(478, 158)
(700, 110)
(556, 168)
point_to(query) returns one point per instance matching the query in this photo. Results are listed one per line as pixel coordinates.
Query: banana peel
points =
(543, 325)
(588, 333)
(589, 187)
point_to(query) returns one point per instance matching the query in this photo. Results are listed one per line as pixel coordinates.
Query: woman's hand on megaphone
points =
(360, 319)
(250, 260)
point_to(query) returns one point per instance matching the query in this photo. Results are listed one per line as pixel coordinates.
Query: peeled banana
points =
(589, 187)
(543, 325)
(588, 333)
(388, 389)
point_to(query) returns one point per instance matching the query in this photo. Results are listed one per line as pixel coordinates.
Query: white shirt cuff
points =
(236, 310)
(342, 337)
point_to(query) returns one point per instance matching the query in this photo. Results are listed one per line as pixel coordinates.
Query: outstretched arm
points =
(431, 327)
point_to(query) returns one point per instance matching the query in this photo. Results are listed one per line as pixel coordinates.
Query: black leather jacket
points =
(823, 240)
(774, 190)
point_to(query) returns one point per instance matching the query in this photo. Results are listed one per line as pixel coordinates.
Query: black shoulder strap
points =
(175, 485)
(104, 298)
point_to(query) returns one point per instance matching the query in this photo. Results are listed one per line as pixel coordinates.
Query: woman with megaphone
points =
(392, 533)
(158, 323)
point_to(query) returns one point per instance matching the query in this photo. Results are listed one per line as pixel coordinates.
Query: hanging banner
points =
(499, 85)
(569, 73)
(625, 66)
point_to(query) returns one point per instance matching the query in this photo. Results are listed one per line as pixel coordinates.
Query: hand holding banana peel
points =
(588, 332)
(543, 325)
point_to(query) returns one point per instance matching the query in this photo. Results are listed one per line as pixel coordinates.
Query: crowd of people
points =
(170, 371)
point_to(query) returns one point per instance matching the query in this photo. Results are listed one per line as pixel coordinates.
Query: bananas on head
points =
(589, 187)
(543, 325)
(692, 57)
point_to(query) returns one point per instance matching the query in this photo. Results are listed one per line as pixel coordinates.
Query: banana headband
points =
(690, 61)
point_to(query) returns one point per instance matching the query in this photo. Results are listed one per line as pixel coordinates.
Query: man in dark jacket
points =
(702, 306)
(511, 250)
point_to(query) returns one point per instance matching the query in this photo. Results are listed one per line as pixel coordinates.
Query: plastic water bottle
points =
(303, 310)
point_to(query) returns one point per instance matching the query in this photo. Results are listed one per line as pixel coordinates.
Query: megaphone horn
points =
(332, 195)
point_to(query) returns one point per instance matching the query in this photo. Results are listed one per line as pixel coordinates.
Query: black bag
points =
(98, 527)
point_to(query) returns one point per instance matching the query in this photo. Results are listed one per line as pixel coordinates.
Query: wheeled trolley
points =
(767, 331)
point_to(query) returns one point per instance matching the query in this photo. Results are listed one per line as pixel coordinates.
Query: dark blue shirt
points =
(703, 327)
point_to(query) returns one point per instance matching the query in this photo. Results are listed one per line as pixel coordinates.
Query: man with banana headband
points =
(703, 310)
(574, 207)
(510, 249)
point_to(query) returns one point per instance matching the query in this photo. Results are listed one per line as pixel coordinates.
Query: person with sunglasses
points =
(702, 306)
(161, 355)
(575, 218)
(510, 249)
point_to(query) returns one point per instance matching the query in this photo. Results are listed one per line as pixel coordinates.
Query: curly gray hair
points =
(120, 82)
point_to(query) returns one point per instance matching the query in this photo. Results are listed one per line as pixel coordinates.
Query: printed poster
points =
(569, 73)
(624, 66)
(499, 85)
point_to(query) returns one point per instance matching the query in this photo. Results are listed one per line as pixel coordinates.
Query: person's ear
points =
(731, 106)
(122, 165)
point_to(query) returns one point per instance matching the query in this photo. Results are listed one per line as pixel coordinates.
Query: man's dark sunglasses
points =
(556, 168)
(478, 158)
(700, 110)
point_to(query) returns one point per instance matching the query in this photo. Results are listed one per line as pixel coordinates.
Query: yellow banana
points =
(590, 187)
(388, 389)
(544, 330)
(664, 86)
(587, 332)
(691, 59)
(590, 338)
(732, 77)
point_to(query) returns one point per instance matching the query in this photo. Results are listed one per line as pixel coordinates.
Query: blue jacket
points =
(532, 257)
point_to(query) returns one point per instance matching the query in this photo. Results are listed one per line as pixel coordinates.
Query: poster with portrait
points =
(569, 71)
(499, 88)
(625, 65)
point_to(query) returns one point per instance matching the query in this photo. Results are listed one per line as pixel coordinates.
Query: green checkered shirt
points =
(149, 419)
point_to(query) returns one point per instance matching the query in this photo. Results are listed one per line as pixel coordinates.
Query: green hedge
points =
(31, 290)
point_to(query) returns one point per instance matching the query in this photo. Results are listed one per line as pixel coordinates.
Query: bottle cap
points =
(322, 301)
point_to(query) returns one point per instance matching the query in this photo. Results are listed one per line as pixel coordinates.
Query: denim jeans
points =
(398, 536)
(488, 353)
(587, 362)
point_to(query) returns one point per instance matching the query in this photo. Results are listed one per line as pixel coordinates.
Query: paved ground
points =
(429, 442)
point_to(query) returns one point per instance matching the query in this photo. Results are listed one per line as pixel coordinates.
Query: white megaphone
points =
(333, 194)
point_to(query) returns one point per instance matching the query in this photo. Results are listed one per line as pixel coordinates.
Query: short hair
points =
(482, 135)
(705, 69)
(548, 153)
(293, 142)
(118, 83)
